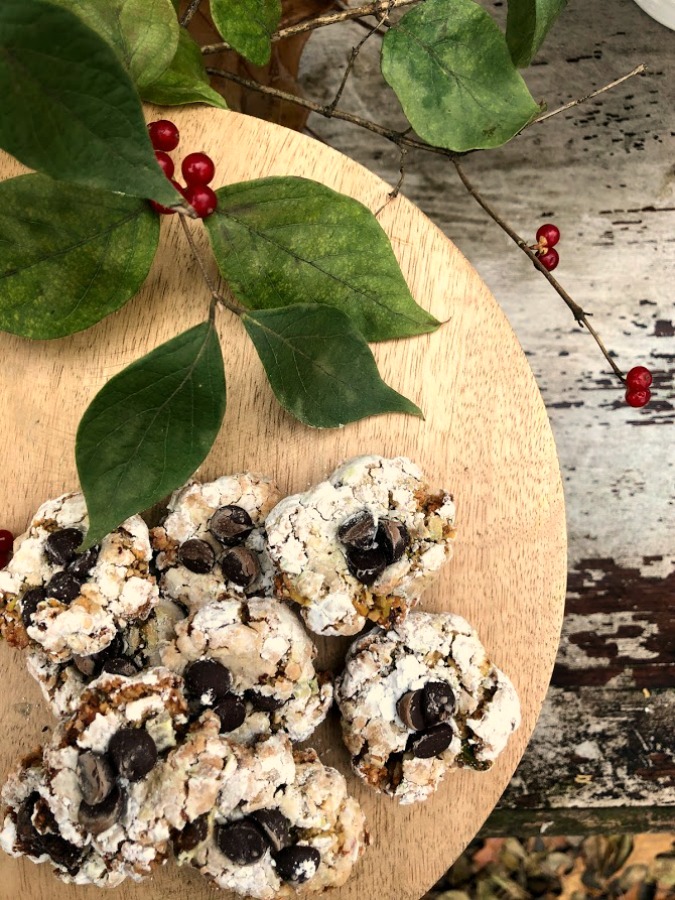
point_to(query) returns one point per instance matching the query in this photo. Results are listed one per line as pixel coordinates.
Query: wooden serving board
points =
(486, 437)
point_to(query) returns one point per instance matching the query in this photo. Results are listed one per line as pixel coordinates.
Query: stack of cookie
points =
(181, 675)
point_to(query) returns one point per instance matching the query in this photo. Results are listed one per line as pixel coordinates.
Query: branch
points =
(638, 70)
(187, 16)
(369, 9)
(577, 311)
(216, 297)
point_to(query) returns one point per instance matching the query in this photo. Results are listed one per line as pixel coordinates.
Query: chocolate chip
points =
(230, 525)
(274, 826)
(191, 836)
(409, 709)
(27, 835)
(63, 587)
(133, 752)
(438, 702)
(62, 852)
(231, 711)
(263, 702)
(240, 565)
(99, 818)
(207, 680)
(432, 742)
(83, 563)
(29, 604)
(197, 556)
(297, 864)
(358, 530)
(393, 537)
(91, 666)
(96, 777)
(61, 546)
(241, 842)
(366, 565)
(120, 665)
(86, 665)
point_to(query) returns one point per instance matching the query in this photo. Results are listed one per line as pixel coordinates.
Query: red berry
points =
(550, 259)
(166, 210)
(165, 162)
(198, 168)
(638, 397)
(639, 378)
(164, 135)
(202, 199)
(4, 559)
(549, 234)
(6, 542)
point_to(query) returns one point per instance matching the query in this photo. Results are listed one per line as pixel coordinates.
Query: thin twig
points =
(638, 70)
(578, 312)
(187, 16)
(216, 297)
(369, 9)
(396, 190)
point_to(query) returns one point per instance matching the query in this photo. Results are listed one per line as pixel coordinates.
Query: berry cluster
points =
(197, 168)
(638, 381)
(548, 236)
(6, 542)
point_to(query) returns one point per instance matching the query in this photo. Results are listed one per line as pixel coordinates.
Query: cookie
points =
(362, 545)
(421, 699)
(268, 681)
(212, 542)
(72, 603)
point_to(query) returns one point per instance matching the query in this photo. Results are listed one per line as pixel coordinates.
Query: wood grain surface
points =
(486, 437)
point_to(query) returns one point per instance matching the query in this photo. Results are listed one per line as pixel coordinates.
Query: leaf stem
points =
(187, 16)
(580, 315)
(638, 70)
(216, 297)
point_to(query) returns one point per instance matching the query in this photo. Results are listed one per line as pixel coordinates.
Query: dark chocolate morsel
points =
(230, 525)
(63, 587)
(28, 838)
(241, 842)
(409, 709)
(231, 711)
(275, 827)
(95, 776)
(393, 537)
(62, 852)
(358, 530)
(134, 752)
(263, 702)
(432, 742)
(297, 864)
(191, 836)
(197, 556)
(438, 702)
(86, 665)
(241, 565)
(29, 604)
(83, 563)
(120, 665)
(207, 680)
(366, 565)
(61, 546)
(99, 818)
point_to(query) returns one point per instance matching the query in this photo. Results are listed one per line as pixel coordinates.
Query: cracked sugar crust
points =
(190, 510)
(382, 666)
(119, 589)
(321, 815)
(263, 644)
(310, 559)
(62, 683)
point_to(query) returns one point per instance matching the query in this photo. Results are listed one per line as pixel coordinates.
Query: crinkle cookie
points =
(212, 542)
(252, 662)
(421, 699)
(304, 838)
(134, 649)
(74, 603)
(362, 545)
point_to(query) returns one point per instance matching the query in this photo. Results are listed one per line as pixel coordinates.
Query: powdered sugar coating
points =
(266, 649)
(312, 567)
(382, 666)
(118, 591)
(190, 510)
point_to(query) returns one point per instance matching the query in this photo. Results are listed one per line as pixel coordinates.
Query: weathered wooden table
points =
(602, 756)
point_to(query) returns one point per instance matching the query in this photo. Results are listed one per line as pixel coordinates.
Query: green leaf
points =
(144, 33)
(280, 241)
(319, 366)
(527, 24)
(248, 26)
(69, 109)
(450, 67)
(185, 81)
(70, 256)
(150, 427)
